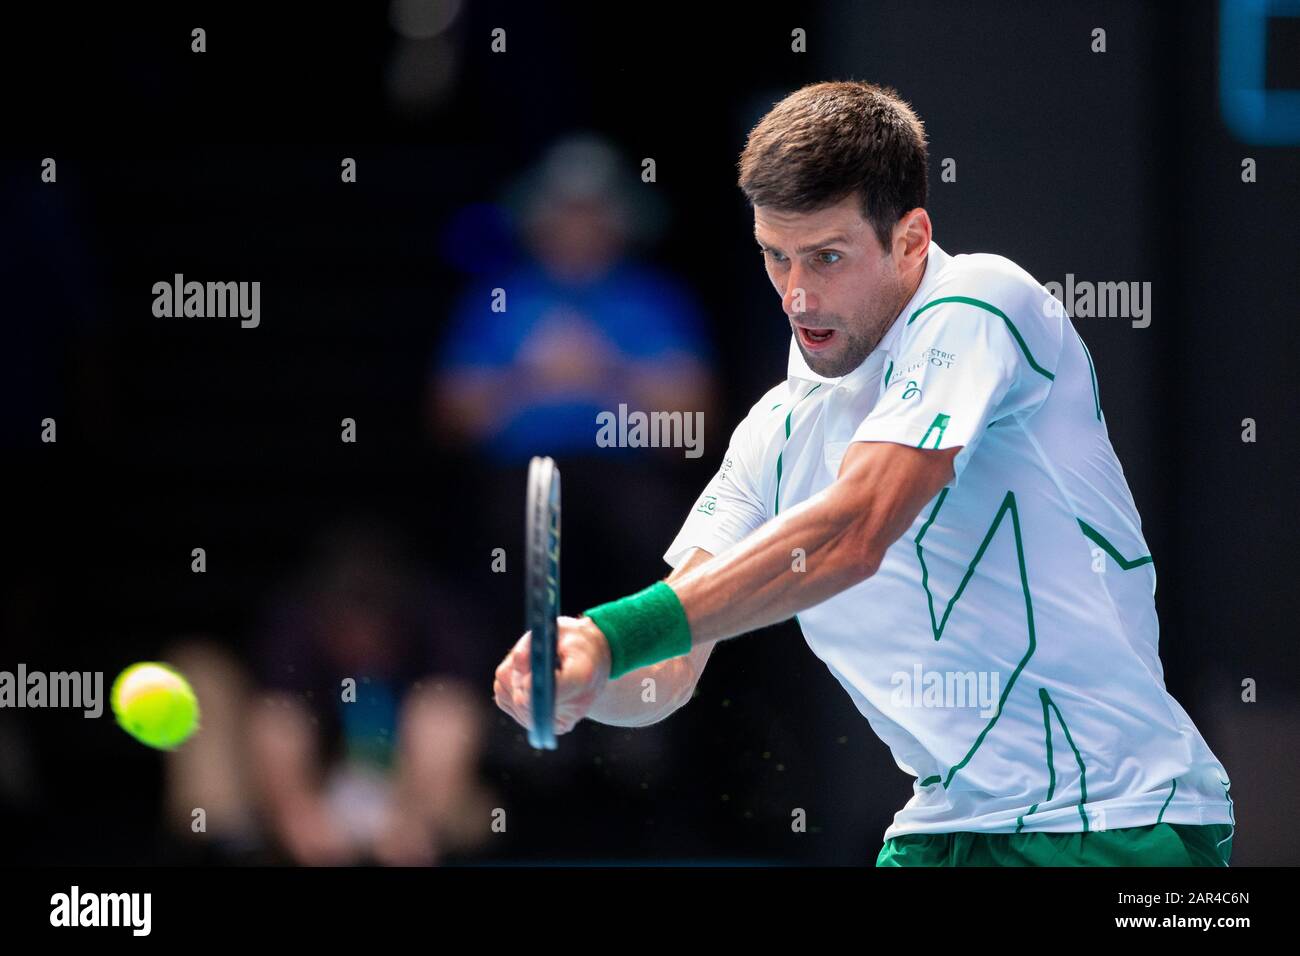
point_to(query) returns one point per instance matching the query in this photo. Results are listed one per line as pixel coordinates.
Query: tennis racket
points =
(542, 594)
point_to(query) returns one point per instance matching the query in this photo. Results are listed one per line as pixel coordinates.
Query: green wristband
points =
(643, 628)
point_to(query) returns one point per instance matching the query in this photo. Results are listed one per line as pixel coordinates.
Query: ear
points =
(912, 238)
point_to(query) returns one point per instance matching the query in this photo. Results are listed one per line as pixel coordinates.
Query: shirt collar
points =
(936, 260)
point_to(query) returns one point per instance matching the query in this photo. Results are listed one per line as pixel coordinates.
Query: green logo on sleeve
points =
(940, 422)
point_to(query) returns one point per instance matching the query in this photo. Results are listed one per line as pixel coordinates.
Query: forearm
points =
(841, 535)
(800, 558)
(630, 702)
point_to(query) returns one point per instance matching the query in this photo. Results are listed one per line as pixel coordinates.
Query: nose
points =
(795, 280)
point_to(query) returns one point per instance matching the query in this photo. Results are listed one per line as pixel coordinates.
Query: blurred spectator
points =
(389, 777)
(583, 328)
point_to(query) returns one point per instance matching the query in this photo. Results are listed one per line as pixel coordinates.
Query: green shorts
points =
(1161, 844)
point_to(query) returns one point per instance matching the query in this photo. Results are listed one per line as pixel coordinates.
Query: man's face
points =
(838, 288)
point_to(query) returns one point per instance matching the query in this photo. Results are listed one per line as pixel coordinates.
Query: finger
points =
(505, 700)
(569, 716)
(521, 687)
(519, 714)
(503, 695)
(522, 683)
(570, 721)
(519, 655)
(509, 702)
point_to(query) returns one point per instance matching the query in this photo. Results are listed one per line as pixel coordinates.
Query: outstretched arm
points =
(843, 531)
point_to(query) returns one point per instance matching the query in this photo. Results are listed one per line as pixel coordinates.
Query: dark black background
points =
(1114, 166)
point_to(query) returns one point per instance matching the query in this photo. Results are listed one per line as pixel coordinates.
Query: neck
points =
(916, 281)
(909, 289)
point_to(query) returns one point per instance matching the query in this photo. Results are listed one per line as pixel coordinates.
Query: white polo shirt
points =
(1006, 650)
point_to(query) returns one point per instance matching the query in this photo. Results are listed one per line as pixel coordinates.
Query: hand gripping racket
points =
(542, 594)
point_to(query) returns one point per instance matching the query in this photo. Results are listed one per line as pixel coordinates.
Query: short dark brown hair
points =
(829, 140)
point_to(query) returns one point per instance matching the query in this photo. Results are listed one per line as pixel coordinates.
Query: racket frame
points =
(542, 595)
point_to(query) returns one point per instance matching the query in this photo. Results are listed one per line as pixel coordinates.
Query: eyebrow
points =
(810, 247)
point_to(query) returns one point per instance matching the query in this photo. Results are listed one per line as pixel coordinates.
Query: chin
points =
(830, 366)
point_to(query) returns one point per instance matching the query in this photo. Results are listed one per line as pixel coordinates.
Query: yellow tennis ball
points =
(155, 705)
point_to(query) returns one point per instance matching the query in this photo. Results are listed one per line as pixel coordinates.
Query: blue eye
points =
(822, 256)
(773, 253)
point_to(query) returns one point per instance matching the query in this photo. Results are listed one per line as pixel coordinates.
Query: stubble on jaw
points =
(859, 342)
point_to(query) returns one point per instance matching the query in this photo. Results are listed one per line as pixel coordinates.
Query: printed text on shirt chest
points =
(935, 358)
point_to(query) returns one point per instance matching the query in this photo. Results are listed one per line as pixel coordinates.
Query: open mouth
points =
(814, 339)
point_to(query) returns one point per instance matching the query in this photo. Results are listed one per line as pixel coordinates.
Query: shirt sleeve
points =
(731, 506)
(961, 369)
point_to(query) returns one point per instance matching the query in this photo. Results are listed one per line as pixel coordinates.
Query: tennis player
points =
(933, 492)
